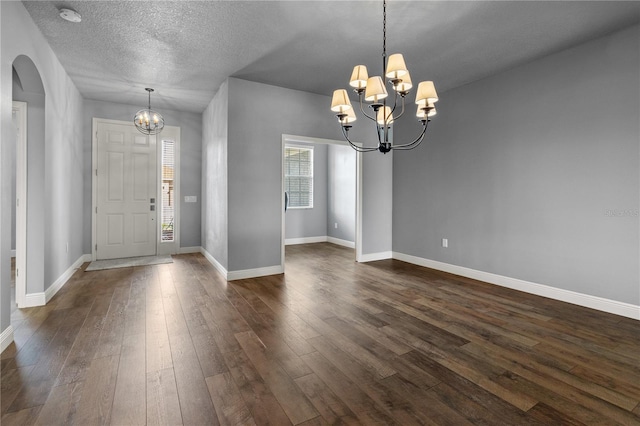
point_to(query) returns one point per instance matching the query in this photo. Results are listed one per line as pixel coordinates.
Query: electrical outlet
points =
(190, 198)
(335, 225)
(445, 243)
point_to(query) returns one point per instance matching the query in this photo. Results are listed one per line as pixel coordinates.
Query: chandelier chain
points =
(384, 37)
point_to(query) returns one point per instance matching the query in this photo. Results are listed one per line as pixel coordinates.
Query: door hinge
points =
(96, 172)
(17, 272)
(96, 247)
(96, 209)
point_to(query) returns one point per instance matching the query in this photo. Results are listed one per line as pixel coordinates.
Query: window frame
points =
(311, 175)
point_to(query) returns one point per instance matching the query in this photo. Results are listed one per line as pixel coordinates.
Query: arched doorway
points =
(28, 180)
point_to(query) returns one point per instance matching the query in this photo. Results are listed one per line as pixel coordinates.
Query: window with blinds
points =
(168, 198)
(298, 176)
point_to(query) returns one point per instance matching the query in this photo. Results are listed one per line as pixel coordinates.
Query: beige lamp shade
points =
(396, 67)
(375, 90)
(384, 115)
(359, 77)
(405, 85)
(340, 102)
(350, 118)
(426, 93)
(421, 112)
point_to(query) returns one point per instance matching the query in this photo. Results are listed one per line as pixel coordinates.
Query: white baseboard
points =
(243, 274)
(212, 260)
(62, 280)
(6, 337)
(34, 299)
(344, 243)
(372, 257)
(253, 273)
(594, 302)
(305, 240)
(187, 250)
(42, 298)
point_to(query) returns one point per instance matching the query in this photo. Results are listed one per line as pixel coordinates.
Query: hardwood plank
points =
(61, 405)
(296, 405)
(263, 405)
(110, 342)
(11, 382)
(195, 402)
(228, 401)
(26, 416)
(41, 379)
(331, 407)
(427, 409)
(97, 394)
(129, 400)
(473, 394)
(163, 406)
(82, 352)
(210, 358)
(347, 390)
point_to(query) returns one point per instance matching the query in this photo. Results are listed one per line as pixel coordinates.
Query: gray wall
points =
(301, 223)
(521, 172)
(190, 163)
(253, 139)
(258, 116)
(63, 209)
(341, 198)
(215, 206)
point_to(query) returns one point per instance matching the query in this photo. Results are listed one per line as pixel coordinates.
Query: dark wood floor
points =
(331, 342)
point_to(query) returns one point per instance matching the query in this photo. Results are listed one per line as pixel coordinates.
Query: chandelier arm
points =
(365, 114)
(416, 142)
(401, 111)
(353, 145)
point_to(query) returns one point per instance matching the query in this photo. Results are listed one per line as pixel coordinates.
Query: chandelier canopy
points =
(148, 121)
(373, 90)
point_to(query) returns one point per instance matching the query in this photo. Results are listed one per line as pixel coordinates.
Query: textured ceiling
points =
(186, 49)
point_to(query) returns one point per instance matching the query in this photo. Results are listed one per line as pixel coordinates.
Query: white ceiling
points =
(186, 49)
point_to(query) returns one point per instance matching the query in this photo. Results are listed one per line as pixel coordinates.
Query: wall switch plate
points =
(335, 225)
(445, 243)
(190, 198)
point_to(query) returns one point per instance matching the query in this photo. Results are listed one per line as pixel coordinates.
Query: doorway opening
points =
(321, 193)
(28, 181)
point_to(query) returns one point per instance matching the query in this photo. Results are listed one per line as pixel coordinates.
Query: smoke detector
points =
(70, 15)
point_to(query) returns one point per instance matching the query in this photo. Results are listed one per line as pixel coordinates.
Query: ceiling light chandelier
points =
(148, 121)
(373, 90)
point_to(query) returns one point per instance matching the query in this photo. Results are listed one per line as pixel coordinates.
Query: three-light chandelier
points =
(373, 90)
(148, 121)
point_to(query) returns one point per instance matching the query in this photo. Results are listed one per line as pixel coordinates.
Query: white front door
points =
(126, 188)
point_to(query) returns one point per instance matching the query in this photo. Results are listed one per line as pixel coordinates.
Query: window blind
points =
(298, 176)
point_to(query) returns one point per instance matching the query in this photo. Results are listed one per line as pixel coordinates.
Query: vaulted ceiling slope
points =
(186, 49)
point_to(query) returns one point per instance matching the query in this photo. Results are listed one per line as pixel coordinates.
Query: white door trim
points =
(20, 108)
(289, 139)
(94, 183)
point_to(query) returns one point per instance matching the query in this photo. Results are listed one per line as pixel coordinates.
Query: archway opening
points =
(28, 181)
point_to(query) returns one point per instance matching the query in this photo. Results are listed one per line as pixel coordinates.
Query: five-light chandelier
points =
(373, 90)
(148, 121)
